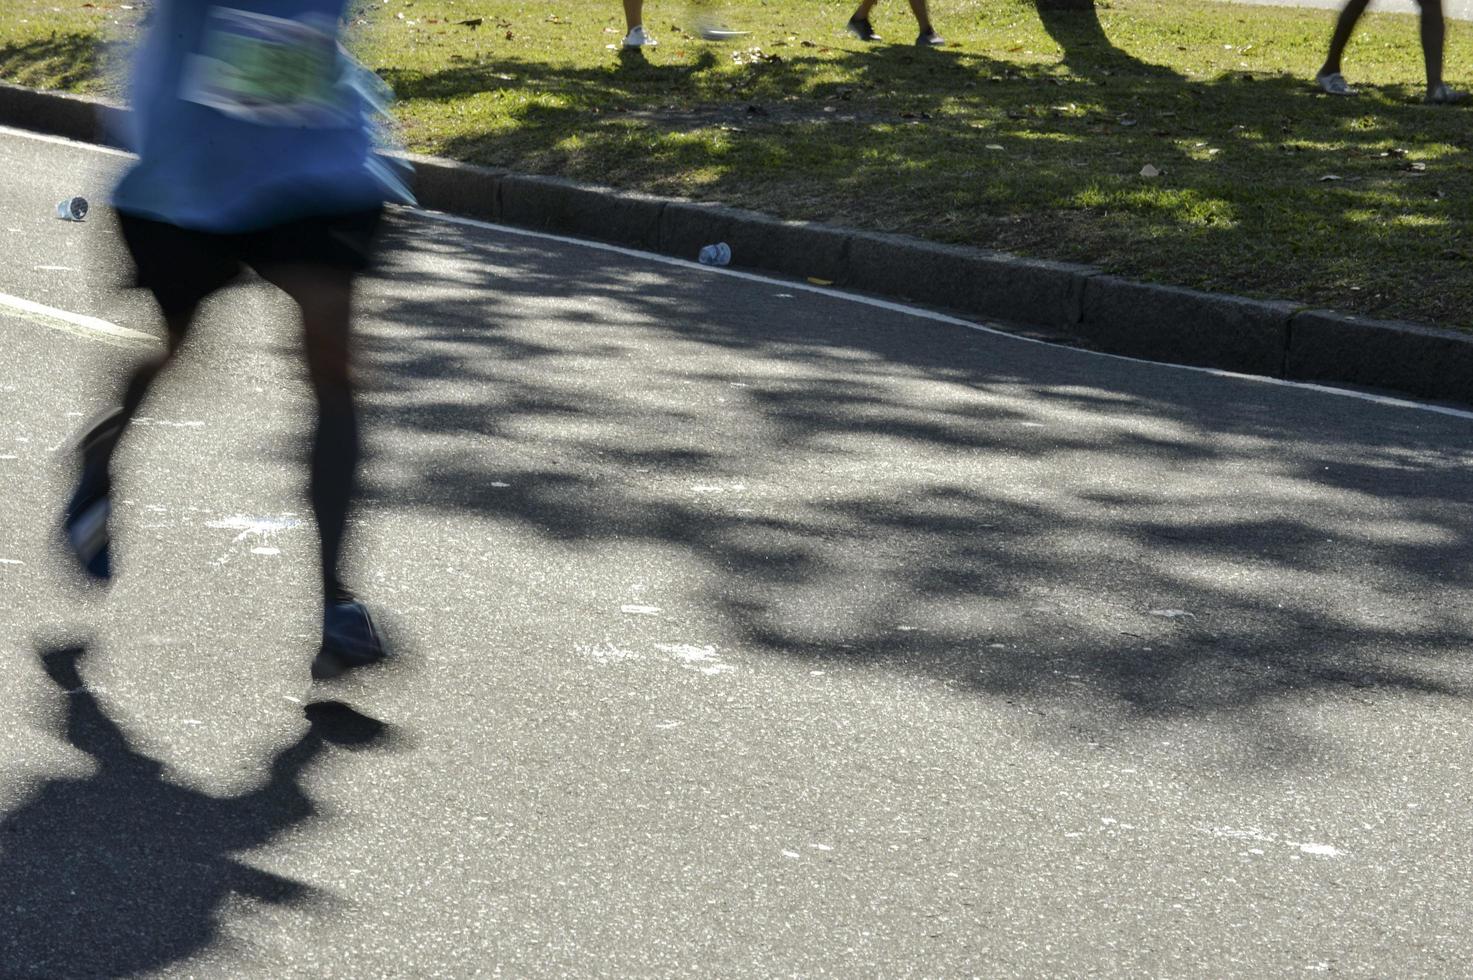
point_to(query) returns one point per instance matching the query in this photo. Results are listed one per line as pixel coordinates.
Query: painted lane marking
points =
(89, 327)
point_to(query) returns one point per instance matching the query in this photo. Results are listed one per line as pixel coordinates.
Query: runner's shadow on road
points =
(122, 871)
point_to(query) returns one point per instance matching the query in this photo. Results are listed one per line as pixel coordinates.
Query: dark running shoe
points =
(87, 535)
(85, 521)
(349, 640)
(930, 39)
(860, 28)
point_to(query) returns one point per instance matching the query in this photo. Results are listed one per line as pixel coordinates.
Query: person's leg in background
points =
(927, 38)
(1434, 39)
(1329, 76)
(859, 24)
(861, 28)
(636, 37)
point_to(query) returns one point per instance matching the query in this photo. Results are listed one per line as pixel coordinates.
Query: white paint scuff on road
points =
(262, 526)
(701, 658)
(606, 653)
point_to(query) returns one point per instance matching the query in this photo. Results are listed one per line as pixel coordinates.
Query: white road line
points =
(924, 314)
(870, 301)
(63, 141)
(75, 323)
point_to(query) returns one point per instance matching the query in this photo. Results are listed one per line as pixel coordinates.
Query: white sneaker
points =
(1334, 84)
(637, 38)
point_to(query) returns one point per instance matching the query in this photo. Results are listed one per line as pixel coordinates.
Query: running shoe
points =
(1441, 94)
(1334, 83)
(85, 521)
(85, 527)
(349, 640)
(930, 39)
(860, 28)
(637, 38)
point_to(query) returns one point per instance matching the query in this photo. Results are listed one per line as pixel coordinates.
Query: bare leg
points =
(1434, 34)
(1349, 16)
(88, 511)
(324, 296)
(862, 11)
(99, 444)
(918, 7)
(633, 14)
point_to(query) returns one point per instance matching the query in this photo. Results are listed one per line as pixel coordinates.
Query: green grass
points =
(1021, 135)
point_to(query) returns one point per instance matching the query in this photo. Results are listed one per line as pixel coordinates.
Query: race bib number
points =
(268, 70)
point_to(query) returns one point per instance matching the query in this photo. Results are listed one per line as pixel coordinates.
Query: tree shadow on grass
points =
(1043, 160)
(66, 61)
(121, 871)
(1087, 48)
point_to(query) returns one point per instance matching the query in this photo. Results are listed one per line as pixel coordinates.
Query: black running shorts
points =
(181, 266)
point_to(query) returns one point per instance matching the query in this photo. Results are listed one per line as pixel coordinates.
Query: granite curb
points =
(1272, 338)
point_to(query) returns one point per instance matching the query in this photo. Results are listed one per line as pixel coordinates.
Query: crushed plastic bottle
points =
(72, 209)
(718, 254)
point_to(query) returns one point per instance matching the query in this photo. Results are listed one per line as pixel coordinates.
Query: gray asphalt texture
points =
(741, 630)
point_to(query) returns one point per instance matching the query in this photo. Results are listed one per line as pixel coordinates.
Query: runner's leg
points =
(324, 295)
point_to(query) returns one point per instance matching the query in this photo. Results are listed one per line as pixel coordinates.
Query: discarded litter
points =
(718, 254)
(72, 209)
(1150, 171)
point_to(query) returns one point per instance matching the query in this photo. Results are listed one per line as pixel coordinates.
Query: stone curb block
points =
(758, 241)
(457, 188)
(1185, 326)
(1032, 291)
(554, 204)
(75, 117)
(1329, 346)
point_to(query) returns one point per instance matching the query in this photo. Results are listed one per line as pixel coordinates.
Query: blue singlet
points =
(247, 114)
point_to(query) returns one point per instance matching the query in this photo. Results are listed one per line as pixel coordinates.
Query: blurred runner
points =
(256, 147)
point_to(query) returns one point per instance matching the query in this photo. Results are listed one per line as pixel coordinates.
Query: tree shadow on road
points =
(1107, 538)
(121, 871)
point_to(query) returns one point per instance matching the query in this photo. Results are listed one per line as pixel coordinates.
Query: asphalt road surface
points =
(743, 629)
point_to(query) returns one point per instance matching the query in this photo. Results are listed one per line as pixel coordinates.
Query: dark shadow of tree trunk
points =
(1075, 27)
